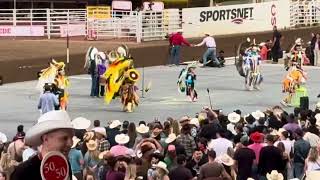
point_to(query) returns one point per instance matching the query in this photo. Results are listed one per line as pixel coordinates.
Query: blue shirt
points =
(75, 157)
(47, 102)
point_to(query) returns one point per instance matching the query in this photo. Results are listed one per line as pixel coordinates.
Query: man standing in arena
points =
(276, 49)
(176, 40)
(211, 50)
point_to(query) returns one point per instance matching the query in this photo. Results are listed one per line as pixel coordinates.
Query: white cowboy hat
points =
(258, 114)
(318, 105)
(172, 137)
(75, 141)
(122, 139)
(207, 33)
(317, 116)
(142, 129)
(274, 175)
(248, 39)
(114, 124)
(225, 159)
(3, 138)
(100, 130)
(312, 175)
(102, 55)
(162, 165)
(92, 145)
(195, 121)
(234, 117)
(179, 30)
(88, 136)
(81, 123)
(49, 121)
(298, 41)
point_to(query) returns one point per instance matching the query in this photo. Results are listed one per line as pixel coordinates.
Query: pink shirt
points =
(256, 147)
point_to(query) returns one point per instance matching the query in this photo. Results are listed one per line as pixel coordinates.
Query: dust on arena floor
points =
(22, 58)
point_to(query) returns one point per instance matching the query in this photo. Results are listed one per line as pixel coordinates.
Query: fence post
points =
(139, 27)
(48, 23)
(14, 14)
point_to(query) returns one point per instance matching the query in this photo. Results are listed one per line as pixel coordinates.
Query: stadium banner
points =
(73, 29)
(22, 30)
(234, 19)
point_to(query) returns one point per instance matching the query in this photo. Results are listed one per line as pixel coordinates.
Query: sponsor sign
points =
(21, 30)
(73, 29)
(98, 12)
(54, 166)
(154, 6)
(245, 18)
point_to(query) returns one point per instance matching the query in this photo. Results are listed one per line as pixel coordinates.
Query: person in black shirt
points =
(276, 49)
(198, 159)
(181, 172)
(270, 156)
(313, 127)
(54, 132)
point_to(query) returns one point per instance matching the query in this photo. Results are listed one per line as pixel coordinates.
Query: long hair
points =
(175, 127)
(166, 128)
(132, 133)
(313, 154)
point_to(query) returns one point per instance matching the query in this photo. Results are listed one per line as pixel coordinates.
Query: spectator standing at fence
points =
(276, 48)
(211, 50)
(48, 100)
(176, 40)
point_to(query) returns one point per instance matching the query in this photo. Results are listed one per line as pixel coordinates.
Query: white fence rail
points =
(133, 25)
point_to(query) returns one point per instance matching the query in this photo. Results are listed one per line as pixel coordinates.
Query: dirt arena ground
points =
(21, 59)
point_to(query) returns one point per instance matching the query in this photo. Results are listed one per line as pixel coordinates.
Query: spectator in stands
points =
(19, 132)
(48, 100)
(17, 147)
(212, 169)
(76, 159)
(96, 123)
(176, 40)
(181, 172)
(301, 149)
(3, 176)
(114, 129)
(54, 132)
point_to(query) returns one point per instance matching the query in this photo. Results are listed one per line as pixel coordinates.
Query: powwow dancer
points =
(186, 81)
(293, 83)
(121, 78)
(296, 55)
(251, 67)
(54, 75)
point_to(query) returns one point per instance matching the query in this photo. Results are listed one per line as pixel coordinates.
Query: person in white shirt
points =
(221, 144)
(211, 50)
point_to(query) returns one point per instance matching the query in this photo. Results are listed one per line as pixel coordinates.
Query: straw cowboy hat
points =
(142, 129)
(49, 121)
(258, 114)
(172, 137)
(122, 139)
(274, 175)
(3, 138)
(179, 30)
(207, 33)
(318, 105)
(75, 141)
(225, 159)
(234, 117)
(298, 41)
(92, 145)
(100, 130)
(88, 135)
(195, 121)
(162, 166)
(312, 175)
(184, 120)
(115, 124)
(317, 116)
(81, 123)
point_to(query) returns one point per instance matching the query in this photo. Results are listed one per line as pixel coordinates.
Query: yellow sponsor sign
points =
(98, 12)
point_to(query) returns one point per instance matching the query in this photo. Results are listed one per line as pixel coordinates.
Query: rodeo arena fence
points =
(154, 22)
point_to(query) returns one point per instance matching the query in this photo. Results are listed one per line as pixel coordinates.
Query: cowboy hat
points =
(225, 159)
(142, 129)
(100, 130)
(195, 122)
(172, 137)
(234, 117)
(179, 30)
(312, 175)
(114, 124)
(274, 175)
(122, 139)
(88, 136)
(184, 120)
(317, 116)
(81, 123)
(92, 145)
(48, 122)
(207, 33)
(256, 137)
(258, 114)
(318, 105)
(162, 166)
(75, 141)
(298, 41)
(3, 138)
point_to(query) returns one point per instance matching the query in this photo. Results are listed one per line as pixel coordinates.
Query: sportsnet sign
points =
(244, 18)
